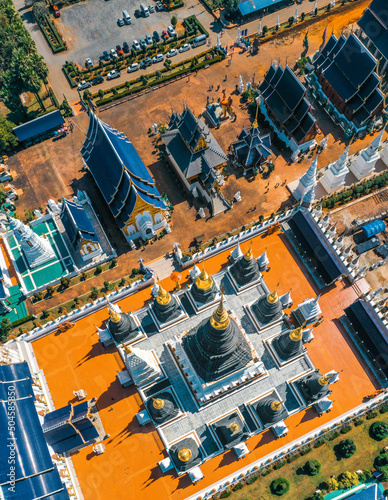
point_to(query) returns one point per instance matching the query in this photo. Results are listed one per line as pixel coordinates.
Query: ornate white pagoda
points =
(365, 162)
(307, 181)
(334, 177)
(37, 249)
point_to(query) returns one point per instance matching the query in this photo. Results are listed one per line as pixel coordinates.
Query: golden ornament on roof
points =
(324, 380)
(272, 297)
(249, 255)
(234, 428)
(163, 297)
(115, 316)
(204, 281)
(296, 334)
(184, 454)
(158, 403)
(220, 317)
(276, 405)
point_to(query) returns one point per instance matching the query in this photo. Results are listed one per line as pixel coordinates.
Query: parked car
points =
(151, 9)
(57, 12)
(185, 47)
(97, 80)
(159, 6)
(143, 43)
(113, 53)
(156, 36)
(119, 50)
(137, 13)
(84, 85)
(149, 40)
(126, 47)
(136, 45)
(172, 53)
(171, 31)
(158, 58)
(133, 67)
(146, 62)
(105, 55)
(120, 21)
(113, 74)
(165, 34)
(88, 62)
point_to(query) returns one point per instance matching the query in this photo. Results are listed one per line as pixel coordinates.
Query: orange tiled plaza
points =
(129, 468)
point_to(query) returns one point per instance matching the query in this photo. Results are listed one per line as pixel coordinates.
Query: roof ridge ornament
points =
(220, 317)
(272, 297)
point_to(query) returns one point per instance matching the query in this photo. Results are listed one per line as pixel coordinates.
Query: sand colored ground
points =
(128, 469)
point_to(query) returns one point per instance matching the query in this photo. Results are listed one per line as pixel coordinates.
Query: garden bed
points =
(51, 34)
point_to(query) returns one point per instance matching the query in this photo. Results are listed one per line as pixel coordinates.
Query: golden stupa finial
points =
(255, 124)
(220, 317)
(204, 281)
(272, 297)
(162, 296)
(184, 454)
(296, 333)
(113, 315)
(158, 403)
(127, 349)
(276, 405)
(249, 255)
(234, 428)
(324, 380)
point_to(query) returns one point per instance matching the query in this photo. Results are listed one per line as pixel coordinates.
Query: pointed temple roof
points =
(37, 249)
(192, 145)
(307, 181)
(118, 170)
(340, 164)
(245, 270)
(375, 144)
(195, 272)
(252, 148)
(350, 69)
(185, 454)
(236, 253)
(286, 299)
(76, 222)
(204, 288)
(142, 366)
(122, 327)
(216, 347)
(263, 260)
(162, 407)
(165, 306)
(289, 344)
(231, 430)
(309, 196)
(285, 95)
(313, 387)
(268, 308)
(374, 24)
(270, 410)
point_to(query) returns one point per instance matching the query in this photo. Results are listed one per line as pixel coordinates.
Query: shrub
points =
(226, 493)
(358, 422)
(347, 448)
(332, 435)
(371, 415)
(332, 484)
(384, 409)
(252, 479)
(98, 270)
(378, 430)
(238, 486)
(279, 465)
(292, 458)
(381, 461)
(319, 442)
(347, 480)
(305, 451)
(21, 320)
(345, 429)
(93, 293)
(312, 467)
(280, 486)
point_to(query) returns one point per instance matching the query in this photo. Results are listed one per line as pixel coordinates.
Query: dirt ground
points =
(53, 169)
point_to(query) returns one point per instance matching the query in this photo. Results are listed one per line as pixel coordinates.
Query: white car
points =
(113, 74)
(84, 85)
(88, 62)
(113, 53)
(185, 47)
(172, 53)
(136, 45)
(133, 67)
(158, 58)
(171, 31)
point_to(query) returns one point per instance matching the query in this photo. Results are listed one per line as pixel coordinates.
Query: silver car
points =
(158, 58)
(136, 45)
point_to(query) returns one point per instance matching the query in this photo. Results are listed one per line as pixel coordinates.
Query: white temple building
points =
(365, 162)
(307, 181)
(334, 177)
(36, 249)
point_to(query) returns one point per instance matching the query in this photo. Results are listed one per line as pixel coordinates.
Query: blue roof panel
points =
(373, 228)
(248, 7)
(16, 371)
(39, 126)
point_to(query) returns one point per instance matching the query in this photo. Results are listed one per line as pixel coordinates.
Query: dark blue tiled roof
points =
(39, 126)
(251, 147)
(249, 6)
(47, 485)
(76, 222)
(374, 23)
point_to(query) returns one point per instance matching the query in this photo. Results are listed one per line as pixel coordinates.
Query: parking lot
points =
(90, 28)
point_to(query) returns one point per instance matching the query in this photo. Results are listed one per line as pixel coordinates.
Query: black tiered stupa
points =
(231, 430)
(245, 270)
(204, 289)
(270, 410)
(162, 408)
(313, 387)
(185, 454)
(121, 326)
(165, 306)
(268, 308)
(289, 344)
(217, 347)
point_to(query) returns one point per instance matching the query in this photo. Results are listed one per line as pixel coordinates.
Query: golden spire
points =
(163, 297)
(158, 403)
(324, 380)
(255, 124)
(204, 281)
(127, 349)
(296, 334)
(272, 297)
(184, 454)
(114, 315)
(249, 255)
(276, 405)
(234, 428)
(220, 317)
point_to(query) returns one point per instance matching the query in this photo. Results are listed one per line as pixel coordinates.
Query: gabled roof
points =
(374, 23)
(39, 126)
(75, 221)
(251, 146)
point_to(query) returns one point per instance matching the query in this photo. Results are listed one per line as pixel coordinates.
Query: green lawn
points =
(303, 486)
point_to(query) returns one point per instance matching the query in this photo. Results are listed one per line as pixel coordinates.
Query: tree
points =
(144, 79)
(378, 430)
(5, 327)
(302, 16)
(39, 10)
(50, 290)
(8, 139)
(158, 74)
(65, 282)
(265, 30)
(280, 486)
(291, 20)
(347, 480)
(93, 293)
(87, 95)
(101, 94)
(312, 467)
(106, 285)
(167, 63)
(98, 270)
(332, 484)
(347, 448)
(174, 21)
(230, 5)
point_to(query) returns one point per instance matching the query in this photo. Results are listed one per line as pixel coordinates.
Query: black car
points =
(97, 80)
(137, 13)
(146, 62)
(126, 47)
(155, 36)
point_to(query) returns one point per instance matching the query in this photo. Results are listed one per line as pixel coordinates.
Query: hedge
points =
(22, 320)
(54, 97)
(47, 27)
